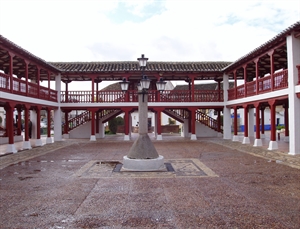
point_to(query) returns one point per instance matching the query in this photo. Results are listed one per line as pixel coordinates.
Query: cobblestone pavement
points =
(214, 183)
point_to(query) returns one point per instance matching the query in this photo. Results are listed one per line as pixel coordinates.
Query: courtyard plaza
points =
(207, 183)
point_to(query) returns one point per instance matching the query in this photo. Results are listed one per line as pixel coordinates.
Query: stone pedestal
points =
(26, 145)
(273, 145)
(246, 140)
(235, 138)
(155, 164)
(257, 142)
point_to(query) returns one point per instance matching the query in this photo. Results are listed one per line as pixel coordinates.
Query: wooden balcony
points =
(277, 81)
(19, 88)
(132, 96)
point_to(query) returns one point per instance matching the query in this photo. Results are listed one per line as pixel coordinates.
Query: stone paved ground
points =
(63, 185)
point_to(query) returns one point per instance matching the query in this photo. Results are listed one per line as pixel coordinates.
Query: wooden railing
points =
(132, 96)
(208, 121)
(264, 86)
(85, 117)
(19, 88)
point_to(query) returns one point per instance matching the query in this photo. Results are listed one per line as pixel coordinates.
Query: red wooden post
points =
(48, 122)
(235, 84)
(38, 122)
(97, 121)
(273, 117)
(26, 75)
(19, 130)
(158, 121)
(257, 120)
(126, 120)
(66, 129)
(262, 109)
(257, 75)
(245, 106)
(193, 120)
(93, 111)
(219, 120)
(271, 54)
(11, 70)
(26, 126)
(49, 96)
(10, 122)
(38, 82)
(235, 127)
(193, 89)
(245, 80)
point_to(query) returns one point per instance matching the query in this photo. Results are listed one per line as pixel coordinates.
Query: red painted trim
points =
(257, 119)
(246, 124)
(235, 126)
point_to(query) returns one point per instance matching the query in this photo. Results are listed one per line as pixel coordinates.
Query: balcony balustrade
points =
(264, 86)
(19, 88)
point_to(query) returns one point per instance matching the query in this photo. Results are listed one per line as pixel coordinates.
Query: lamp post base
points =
(155, 164)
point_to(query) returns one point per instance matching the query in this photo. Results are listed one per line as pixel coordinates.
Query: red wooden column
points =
(11, 70)
(38, 81)
(256, 75)
(93, 90)
(262, 112)
(235, 84)
(246, 139)
(26, 75)
(257, 141)
(48, 139)
(26, 143)
(66, 127)
(97, 121)
(193, 123)
(193, 89)
(235, 126)
(93, 134)
(10, 127)
(48, 74)
(219, 120)
(126, 123)
(273, 144)
(271, 54)
(245, 80)
(38, 141)
(286, 121)
(19, 123)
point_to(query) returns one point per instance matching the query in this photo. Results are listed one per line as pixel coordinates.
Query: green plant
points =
(0, 120)
(280, 127)
(114, 123)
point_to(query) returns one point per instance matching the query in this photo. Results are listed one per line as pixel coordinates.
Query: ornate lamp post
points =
(142, 155)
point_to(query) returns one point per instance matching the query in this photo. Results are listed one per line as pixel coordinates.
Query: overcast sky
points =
(169, 30)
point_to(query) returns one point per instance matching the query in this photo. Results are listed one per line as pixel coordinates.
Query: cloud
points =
(171, 30)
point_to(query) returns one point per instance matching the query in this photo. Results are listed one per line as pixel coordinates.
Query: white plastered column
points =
(226, 111)
(101, 133)
(57, 112)
(185, 128)
(293, 56)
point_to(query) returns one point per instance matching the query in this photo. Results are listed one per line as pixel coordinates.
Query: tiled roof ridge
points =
(279, 35)
(4, 39)
(135, 62)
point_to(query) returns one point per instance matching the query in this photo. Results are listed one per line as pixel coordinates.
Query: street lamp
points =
(142, 155)
(124, 84)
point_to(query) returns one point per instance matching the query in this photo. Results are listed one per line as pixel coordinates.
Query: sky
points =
(163, 30)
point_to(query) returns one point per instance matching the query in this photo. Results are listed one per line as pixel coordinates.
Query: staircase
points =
(207, 121)
(180, 115)
(104, 115)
